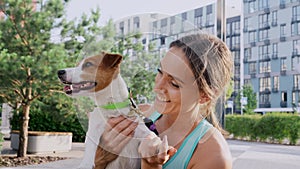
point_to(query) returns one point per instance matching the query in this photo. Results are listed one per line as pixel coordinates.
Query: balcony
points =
(283, 72)
(283, 104)
(265, 105)
(274, 23)
(265, 58)
(282, 6)
(296, 88)
(275, 56)
(266, 91)
(267, 10)
(253, 75)
(252, 44)
(282, 39)
(267, 41)
(267, 74)
(295, 19)
(295, 53)
(275, 90)
(264, 26)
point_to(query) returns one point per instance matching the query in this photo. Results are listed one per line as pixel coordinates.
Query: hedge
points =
(273, 127)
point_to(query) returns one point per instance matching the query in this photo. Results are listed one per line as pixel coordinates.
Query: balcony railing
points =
(283, 104)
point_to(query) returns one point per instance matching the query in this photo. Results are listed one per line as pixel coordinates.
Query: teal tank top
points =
(181, 159)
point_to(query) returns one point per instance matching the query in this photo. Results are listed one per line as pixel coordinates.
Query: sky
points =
(118, 9)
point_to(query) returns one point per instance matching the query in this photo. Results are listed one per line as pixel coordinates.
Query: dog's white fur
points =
(116, 91)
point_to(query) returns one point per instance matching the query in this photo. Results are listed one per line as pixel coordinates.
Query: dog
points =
(99, 78)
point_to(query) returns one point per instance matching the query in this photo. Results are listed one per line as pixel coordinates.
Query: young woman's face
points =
(175, 86)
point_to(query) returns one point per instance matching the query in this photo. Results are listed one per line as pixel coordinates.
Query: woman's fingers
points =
(118, 132)
(154, 151)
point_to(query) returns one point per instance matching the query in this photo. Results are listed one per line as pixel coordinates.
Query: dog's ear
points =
(111, 60)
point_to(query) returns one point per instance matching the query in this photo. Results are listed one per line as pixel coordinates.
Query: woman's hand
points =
(118, 132)
(155, 152)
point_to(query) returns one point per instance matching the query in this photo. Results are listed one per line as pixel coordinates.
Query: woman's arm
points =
(118, 132)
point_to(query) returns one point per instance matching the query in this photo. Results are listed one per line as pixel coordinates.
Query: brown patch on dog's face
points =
(101, 68)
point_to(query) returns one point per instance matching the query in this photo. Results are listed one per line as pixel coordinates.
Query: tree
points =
(30, 59)
(251, 99)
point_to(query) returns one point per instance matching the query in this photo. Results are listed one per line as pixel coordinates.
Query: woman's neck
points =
(177, 127)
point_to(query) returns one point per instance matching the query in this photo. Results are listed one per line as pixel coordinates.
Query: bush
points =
(58, 113)
(273, 127)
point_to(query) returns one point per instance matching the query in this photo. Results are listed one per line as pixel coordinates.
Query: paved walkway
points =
(246, 155)
(75, 156)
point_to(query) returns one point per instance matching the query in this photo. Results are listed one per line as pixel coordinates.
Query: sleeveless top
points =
(182, 157)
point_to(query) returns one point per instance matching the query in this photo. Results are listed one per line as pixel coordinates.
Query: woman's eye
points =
(174, 84)
(159, 71)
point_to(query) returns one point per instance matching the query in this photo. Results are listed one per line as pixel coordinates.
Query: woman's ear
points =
(203, 98)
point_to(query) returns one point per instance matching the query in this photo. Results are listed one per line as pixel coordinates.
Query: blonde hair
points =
(211, 63)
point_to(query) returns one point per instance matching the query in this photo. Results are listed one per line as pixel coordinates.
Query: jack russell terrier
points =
(98, 77)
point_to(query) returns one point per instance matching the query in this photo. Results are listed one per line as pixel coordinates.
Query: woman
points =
(193, 75)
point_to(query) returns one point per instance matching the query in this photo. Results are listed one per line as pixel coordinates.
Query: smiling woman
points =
(193, 75)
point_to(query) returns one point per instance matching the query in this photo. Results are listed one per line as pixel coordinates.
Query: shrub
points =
(274, 127)
(58, 113)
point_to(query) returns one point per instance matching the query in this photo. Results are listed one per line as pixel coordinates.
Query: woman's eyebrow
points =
(174, 77)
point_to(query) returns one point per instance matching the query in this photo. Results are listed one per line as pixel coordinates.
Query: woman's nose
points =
(160, 83)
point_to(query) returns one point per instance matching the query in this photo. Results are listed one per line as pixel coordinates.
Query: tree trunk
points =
(23, 135)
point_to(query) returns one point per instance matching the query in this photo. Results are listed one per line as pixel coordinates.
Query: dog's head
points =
(91, 74)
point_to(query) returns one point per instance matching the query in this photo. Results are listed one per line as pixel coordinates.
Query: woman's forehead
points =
(176, 65)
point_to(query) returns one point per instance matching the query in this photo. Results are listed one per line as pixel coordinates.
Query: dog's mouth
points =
(70, 88)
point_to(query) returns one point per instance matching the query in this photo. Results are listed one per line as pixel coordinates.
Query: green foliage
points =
(1, 138)
(248, 92)
(68, 115)
(30, 59)
(273, 127)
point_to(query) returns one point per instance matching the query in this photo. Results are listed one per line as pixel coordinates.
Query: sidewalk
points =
(75, 156)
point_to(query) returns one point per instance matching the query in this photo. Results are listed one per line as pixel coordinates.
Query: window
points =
(264, 83)
(264, 99)
(296, 47)
(121, 28)
(251, 7)
(262, 4)
(252, 36)
(264, 66)
(252, 68)
(296, 82)
(276, 83)
(284, 96)
(275, 49)
(283, 66)
(163, 26)
(263, 34)
(172, 25)
(199, 17)
(236, 27)
(274, 18)
(296, 13)
(246, 24)
(295, 61)
(263, 20)
(263, 52)
(282, 30)
(295, 28)
(247, 53)
(136, 23)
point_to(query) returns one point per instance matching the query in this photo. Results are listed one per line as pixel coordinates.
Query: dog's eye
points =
(87, 64)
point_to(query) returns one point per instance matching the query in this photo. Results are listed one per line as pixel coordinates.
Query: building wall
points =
(271, 32)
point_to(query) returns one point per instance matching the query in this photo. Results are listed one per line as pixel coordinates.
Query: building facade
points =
(271, 52)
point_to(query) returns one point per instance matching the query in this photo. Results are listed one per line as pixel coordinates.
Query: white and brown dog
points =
(99, 78)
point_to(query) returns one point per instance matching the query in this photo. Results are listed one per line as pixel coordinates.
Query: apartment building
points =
(271, 52)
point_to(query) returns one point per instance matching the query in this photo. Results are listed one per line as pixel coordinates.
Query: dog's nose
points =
(61, 73)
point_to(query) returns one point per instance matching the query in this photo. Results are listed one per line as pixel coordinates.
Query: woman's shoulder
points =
(213, 151)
